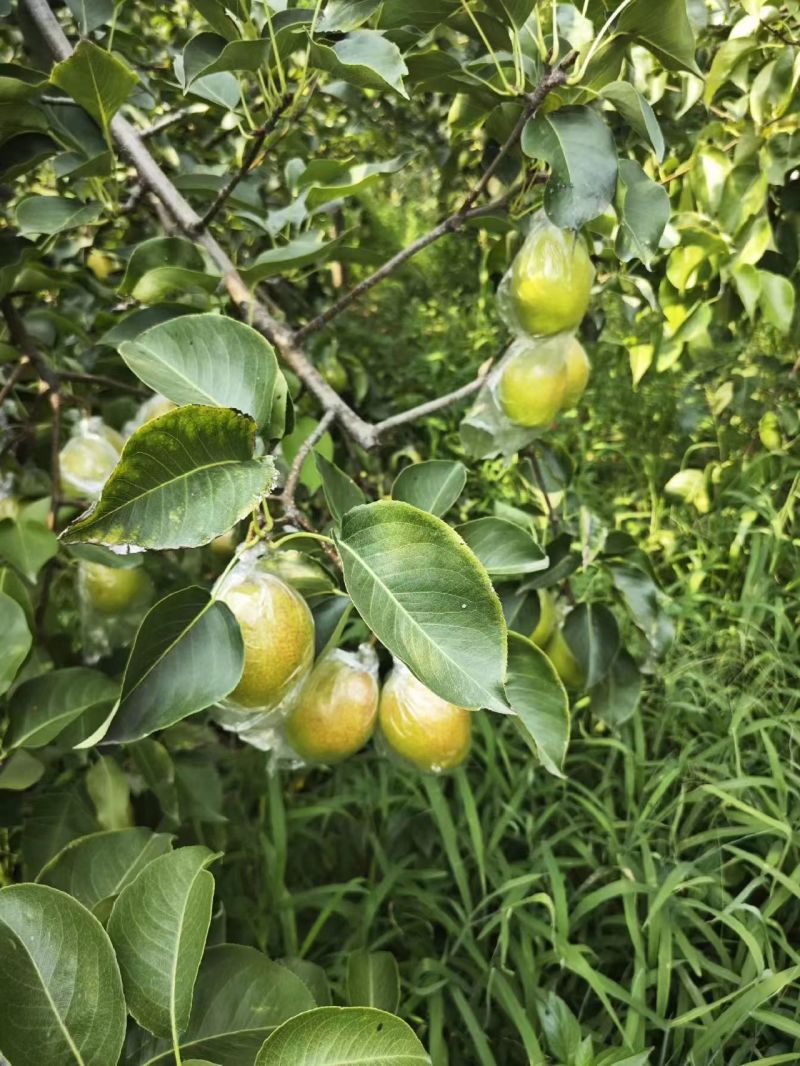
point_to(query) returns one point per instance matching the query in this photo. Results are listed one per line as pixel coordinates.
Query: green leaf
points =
(503, 547)
(726, 58)
(23, 153)
(343, 1036)
(188, 654)
(97, 867)
(427, 599)
(110, 792)
(48, 215)
(45, 705)
(341, 16)
(364, 58)
(616, 697)
(53, 820)
(16, 642)
(664, 29)
(341, 492)
(20, 771)
(13, 585)
(91, 14)
(59, 982)
(207, 359)
(592, 633)
(182, 479)
(20, 83)
(432, 486)
(579, 147)
(777, 300)
(539, 701)
(644, 212)
(331, 179)
(163, 265)
(27, 546)
(373, 980)
(637, 112)
(158, 926)
(240, 997)
(96, 80)
(309, 247)
(131, 325)
(645, 601)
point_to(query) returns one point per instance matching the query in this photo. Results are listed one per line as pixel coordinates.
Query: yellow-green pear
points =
(278, 632)
(578, 367)
(551, 280)
(423, 729)
(567, 666)
(533, 383)
(111, 589)
(335, 712)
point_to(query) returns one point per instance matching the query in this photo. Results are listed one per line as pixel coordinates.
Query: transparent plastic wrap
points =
(419, 728)
(520, 398)
(154, 407)
(278, 631)
(546, 289)
(112, 602)
(336, 709)
(88, 457)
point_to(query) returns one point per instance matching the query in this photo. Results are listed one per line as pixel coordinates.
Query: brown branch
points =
(424, 409)
(165, 122)
(293, 477)
(456, 220)
(14, 377)
(51, 381)
(102, 380)
(259, 137)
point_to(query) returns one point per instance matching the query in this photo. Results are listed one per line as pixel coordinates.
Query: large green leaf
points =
(158, 927)
(373, 980)
(46, 705)
(309, 247)
(240, 997)
(188, 654)
(164, 265)
(207, 359)
(97, 867)
(96, 80)
(343, 1036)
(59, 982)
(592, 633)
(432, 486)
(504, 548)
(330, 179)
(427, 599)
(48, 215)
(182, 479)
(53, 819)
(644, 213)
(579, 147)
(539, 700)
(16, 642)
(364, 58)
(637, 112)
(665, 29)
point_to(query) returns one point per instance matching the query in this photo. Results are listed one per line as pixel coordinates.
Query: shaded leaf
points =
(503, 547)
(373, 980)
(592, 633)
(539, 701)
(432, 486)
(16, 642)
(20, 771)
(637, 112)
(46, 705)
(644, 212)
(48, 215)
(616, 697)
(341, 492)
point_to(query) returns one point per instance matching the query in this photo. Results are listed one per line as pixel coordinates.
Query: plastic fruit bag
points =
(336, 709)
(418, 727)
(154, 407)
(112, 601)
(546, 289)
(88, 457)
(278, 632)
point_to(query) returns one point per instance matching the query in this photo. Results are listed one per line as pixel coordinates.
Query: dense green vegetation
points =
(611, 877)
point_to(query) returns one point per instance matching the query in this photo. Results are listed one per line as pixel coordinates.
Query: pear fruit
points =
(544, 627)
(533, 383)
(567, 666)
(335, 712)
(551, 280)
(423, 729)
(578, 367)
(110, 589)
(87, 459)
(278, 632)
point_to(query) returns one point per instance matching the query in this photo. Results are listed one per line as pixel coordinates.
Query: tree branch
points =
(293, 477)
(429, 408)
(21, 339)
(14, 377)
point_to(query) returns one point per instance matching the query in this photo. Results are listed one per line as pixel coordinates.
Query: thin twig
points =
(424, 409)
(293, 477)
(51, 380)
(165, 122)
(537, 473)
(101, 379)
(14, 377)
(259, 136)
